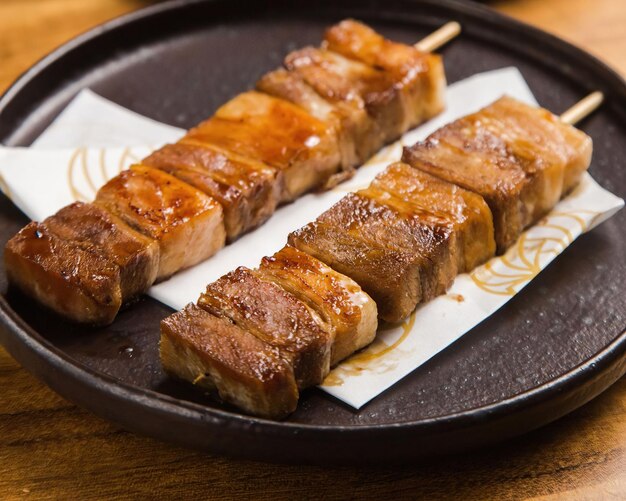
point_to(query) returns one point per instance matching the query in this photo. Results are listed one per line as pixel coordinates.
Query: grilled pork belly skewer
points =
(258, 336)
(488, 175)
(277, 133)
(227, 175)
(403, 239)
(335, 300)
(214, 353)
(248, 190)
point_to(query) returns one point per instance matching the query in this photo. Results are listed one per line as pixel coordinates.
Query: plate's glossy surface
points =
(552, 348)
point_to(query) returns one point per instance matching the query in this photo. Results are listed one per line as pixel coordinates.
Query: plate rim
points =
(28, 347)
(582, 373)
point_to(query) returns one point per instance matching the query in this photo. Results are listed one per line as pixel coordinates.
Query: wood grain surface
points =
(51, 449)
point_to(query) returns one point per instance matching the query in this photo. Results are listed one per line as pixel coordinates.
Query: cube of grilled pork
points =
(364, 94)
(275, 316)
(347, 120)
(95, 230)
(478, 160)
(400, 259)
(247, 190)
(187, 224)
(537, 134)
(81, 285)
(213, 353)
(492, 156)
(339, 301)
(419, 76)
(466, 212)
(277, 133)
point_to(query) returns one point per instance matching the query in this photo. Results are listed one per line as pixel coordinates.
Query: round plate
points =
(549, 350)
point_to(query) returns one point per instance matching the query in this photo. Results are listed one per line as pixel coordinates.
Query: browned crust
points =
(247, 191)
(214, 353)
(276, 317)
(80, 285)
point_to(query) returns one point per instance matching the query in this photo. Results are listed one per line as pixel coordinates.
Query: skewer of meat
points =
(402, 240)
(228, 174)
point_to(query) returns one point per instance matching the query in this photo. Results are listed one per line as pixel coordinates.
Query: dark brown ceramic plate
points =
(552, 348)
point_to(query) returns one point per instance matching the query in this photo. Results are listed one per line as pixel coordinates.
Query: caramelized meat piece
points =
(376, 269)
(275, 316)
(277, 133)
(344, 118)
(537, 134)
(81, 285)
(247, 190)
(484, 154)
(216, 354)
(399, 259)
(339, 301)
(359, 90)
(426, 237)
(419, 77)
(472, 161)
(95, 230)
(407, 189)
(187, 224)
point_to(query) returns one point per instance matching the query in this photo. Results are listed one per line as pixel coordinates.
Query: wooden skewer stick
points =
(439, 37)
(582, 108)
(572, 116)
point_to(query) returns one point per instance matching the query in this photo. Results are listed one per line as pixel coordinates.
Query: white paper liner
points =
(93, 139)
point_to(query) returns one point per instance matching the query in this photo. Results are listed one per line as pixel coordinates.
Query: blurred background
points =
(31, 28)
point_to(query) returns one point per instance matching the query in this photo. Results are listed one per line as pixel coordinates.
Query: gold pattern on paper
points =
(373, 353)
(75, 160)
(128, 157)
(90, 173)
(4, 187)
(103, 165)
(522, 262)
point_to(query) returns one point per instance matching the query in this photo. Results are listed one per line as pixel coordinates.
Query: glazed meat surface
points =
(418, 77)
(343, 118)
(247, 190)
(339, 302)
(277, 133)
(539, 135)
(467, 213)
(482, 164)
(397, 258)
(481, 153)
(81, 285)
(95, 230)
(275, 316)
(376, 269)
(357, 88)
(213, 353)
(187, 224)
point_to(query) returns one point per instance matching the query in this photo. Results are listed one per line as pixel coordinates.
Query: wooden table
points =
(52, 449)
